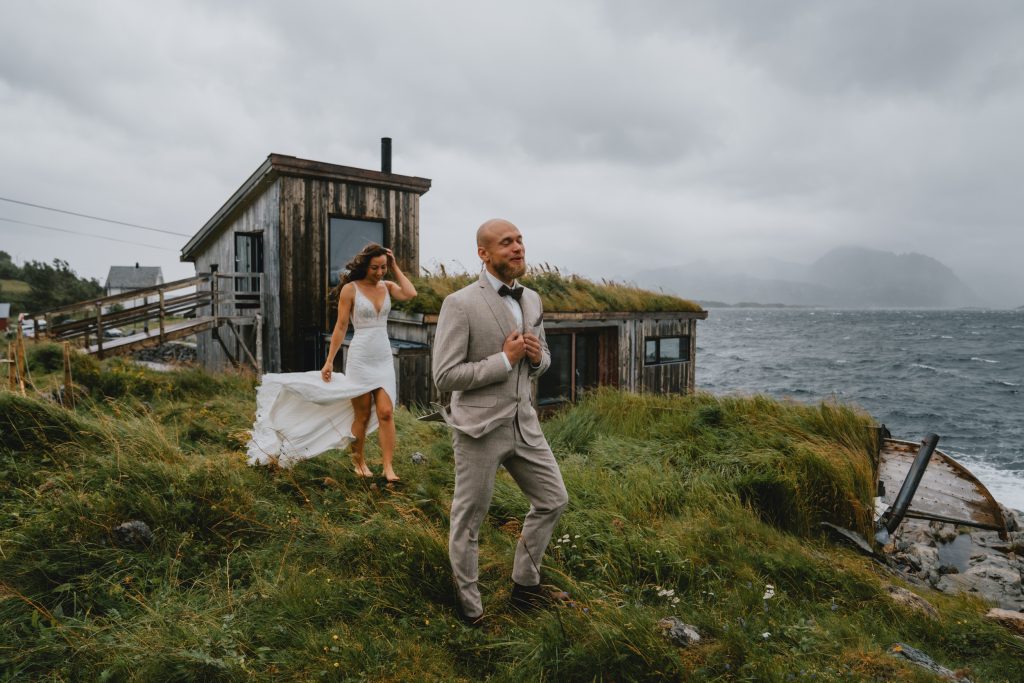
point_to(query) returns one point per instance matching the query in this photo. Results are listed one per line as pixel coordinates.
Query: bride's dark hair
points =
(360, 263)
(357, 267)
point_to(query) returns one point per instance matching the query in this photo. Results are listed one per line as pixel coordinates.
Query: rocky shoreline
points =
(958, 559)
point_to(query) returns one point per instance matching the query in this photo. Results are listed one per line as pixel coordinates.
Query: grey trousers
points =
(476, 464)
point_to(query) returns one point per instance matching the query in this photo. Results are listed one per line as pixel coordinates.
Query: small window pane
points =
(651, 351)
(670, 350)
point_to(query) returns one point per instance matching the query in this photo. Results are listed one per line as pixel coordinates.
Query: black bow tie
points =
(514, 292)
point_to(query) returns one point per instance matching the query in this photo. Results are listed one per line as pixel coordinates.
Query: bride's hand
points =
(325, 372)
(391, 259)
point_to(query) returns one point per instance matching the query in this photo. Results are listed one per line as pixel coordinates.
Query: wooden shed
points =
(642, 351)
(287, 234)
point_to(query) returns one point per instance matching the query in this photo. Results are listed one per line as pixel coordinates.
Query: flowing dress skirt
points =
(299, 416)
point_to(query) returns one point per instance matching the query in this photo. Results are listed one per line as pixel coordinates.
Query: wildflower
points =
(769, 592)
(334, 636)
(766, 635)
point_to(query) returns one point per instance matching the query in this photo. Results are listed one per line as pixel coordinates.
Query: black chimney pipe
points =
(385, 155)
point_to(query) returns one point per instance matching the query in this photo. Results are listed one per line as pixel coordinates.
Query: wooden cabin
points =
(287, 234)
(637, 351)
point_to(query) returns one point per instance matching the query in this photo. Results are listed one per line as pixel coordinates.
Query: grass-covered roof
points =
(561, 293)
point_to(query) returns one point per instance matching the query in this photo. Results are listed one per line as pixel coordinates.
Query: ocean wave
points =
(983, 360)
(1006, 384)
(1006, 486)
(924, 367)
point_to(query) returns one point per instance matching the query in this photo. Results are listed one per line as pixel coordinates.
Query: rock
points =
(678, 632)
(133, 534)
(1011, 517)
(912, 600)
(915, 656)
(418, 458)
(1012, 620)
(170, 352)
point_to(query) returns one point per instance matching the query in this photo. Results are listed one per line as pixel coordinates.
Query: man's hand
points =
(534, 350)
(514, 347)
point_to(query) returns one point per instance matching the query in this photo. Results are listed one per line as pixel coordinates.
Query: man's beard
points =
(507, 272)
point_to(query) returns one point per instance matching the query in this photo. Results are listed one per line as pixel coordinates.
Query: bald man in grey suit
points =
(488, 347)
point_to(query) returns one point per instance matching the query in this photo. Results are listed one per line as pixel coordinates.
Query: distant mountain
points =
(843, 277)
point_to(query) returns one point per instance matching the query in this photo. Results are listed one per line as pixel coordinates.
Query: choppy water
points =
(959, 374)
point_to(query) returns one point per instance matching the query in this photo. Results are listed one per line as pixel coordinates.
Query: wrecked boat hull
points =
(947, 492)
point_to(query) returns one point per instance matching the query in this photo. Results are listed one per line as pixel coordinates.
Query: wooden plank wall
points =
(669, 378)
(306, 206)
(261, 215)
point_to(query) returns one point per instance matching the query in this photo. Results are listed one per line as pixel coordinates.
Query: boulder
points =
(678, 632)
(912, 601)
(1011, 620)
(915, 656)
(133, 534)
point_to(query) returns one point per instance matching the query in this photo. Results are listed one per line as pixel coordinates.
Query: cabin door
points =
(580, 360)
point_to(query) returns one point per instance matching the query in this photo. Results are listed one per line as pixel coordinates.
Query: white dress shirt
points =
(513, 307)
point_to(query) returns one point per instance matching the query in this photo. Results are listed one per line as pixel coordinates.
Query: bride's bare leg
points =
(361, 408)
(386, 420)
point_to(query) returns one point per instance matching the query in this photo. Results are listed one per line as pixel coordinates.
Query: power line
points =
(95, 218)
(87, 234)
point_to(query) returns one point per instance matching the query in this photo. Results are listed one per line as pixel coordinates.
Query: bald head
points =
(499, 244)
(489, 230)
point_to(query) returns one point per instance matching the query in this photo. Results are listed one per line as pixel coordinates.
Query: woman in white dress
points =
(302, 414)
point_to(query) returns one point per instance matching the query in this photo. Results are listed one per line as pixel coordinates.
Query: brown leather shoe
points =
(468, 621)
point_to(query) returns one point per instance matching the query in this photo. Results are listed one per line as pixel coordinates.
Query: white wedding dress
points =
(299, 415)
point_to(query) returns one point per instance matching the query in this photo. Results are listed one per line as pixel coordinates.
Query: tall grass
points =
(309, 574)
(559, 292)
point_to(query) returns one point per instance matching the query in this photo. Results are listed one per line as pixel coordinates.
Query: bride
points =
(302, 414)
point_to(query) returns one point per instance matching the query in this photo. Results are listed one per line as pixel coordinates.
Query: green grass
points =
(560, 293)
(13, 287)
(309, 574)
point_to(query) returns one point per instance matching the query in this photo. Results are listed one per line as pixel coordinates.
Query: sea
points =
(955, 373)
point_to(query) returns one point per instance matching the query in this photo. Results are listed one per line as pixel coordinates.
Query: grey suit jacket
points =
(471, 330)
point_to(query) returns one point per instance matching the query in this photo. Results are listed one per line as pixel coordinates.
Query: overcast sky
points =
(618, 136)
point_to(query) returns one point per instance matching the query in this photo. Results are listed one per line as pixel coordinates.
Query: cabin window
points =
(248, 259)
(580, 360)
(347, 238)
(661, 350)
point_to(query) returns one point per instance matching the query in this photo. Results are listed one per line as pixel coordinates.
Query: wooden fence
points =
(174, 310)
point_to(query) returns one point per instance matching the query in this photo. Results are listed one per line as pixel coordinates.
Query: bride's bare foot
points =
(360, 468)
(390, 476)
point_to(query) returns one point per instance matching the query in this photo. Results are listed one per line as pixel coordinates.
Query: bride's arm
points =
(345, 300)
(401, 289)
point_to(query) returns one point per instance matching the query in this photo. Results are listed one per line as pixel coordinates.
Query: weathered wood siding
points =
(668, 378)
(259, 216)
(306, 207)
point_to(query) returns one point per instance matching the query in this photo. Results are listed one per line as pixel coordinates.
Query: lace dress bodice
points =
(365, 315)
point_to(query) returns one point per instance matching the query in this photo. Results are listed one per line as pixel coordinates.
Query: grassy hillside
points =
(680, 506)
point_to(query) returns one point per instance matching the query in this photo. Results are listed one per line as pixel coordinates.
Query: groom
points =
(488, 346)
